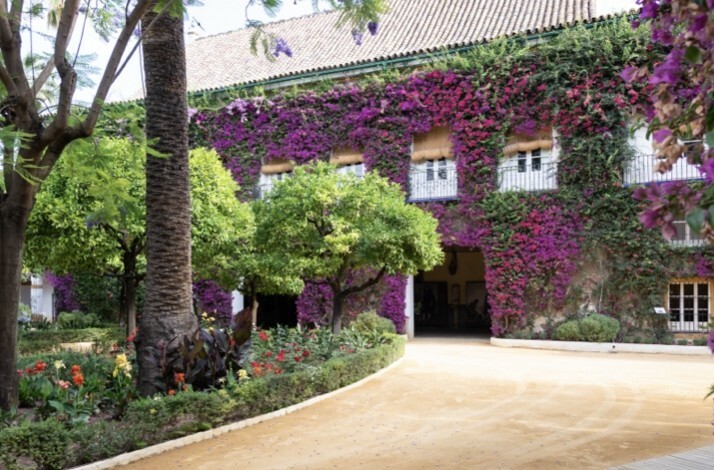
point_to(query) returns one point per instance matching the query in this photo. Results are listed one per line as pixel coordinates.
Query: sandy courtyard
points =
(462, 403)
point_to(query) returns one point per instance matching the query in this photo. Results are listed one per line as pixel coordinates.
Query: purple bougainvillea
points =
(213, 300)
(536, 248)
(393, 303)
(65, 299)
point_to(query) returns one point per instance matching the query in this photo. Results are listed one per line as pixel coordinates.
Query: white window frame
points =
(689, 311)
(685, 235)
(433, 180)
(356, 169)
(641, 169)
(267, 182)
(534, 170)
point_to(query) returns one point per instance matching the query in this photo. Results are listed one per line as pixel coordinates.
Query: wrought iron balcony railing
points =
(437, 184)
(641, 170)
(535, 177)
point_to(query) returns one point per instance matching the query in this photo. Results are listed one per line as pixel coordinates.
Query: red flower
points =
(297, 358)
(180, 377)
(306, 353)
(132, 335)
(20, 372)
(268, 353)
(78, 379)
(40, 366)
(281, 356)
(172, 392)
(263, 336)
(75, 370)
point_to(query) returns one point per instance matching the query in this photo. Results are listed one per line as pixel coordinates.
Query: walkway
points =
(460, 403)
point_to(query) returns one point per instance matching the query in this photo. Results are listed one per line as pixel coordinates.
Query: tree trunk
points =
(337, 300)
(128, 288)
(168, 314)
(13, 224)
(253, 304)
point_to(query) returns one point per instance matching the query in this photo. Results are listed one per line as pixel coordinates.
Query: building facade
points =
(519, 136)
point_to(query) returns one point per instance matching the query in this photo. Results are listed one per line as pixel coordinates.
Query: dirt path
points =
(458, 403)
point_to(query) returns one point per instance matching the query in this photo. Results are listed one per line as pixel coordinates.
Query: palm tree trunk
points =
(14, 214)
(168, 314)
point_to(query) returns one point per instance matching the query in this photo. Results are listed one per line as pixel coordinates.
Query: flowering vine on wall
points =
(531, 242)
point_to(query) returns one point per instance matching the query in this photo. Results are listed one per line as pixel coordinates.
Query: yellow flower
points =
(243, 375)
(59, 365)
(121, 363)
(204, 315)
(152, 411)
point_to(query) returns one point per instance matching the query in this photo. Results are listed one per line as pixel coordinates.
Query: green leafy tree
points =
(90, 217)
(324, 225)
(167, 309)
(33, 141)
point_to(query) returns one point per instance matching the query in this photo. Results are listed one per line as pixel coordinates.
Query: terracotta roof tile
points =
(409, 28)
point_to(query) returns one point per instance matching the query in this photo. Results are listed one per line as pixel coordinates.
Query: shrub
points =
(103, 439)
(699, 342)
(598, 328)
(45, 442)
(568, 331)
(77, 320)
(31, 342)
(367, 322)
(595, 327)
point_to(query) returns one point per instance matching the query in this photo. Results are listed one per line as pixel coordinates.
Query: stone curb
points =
(130, 457)
(582, 346)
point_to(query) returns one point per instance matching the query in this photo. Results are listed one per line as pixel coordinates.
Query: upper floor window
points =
(684, 235)
(271, 173)
(348, 161)
(433, 171)
(643, 166)
(529, 163)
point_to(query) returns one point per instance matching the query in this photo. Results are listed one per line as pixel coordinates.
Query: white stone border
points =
(130, 457)
(602, 347)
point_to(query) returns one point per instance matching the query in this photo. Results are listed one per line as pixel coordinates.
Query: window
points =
(684, 235)
(689, 305)
(267, 182)
(642, 168)
(433, 179)
(356, 169)
(527, 170)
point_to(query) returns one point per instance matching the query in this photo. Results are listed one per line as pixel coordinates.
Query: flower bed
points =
(71, 398)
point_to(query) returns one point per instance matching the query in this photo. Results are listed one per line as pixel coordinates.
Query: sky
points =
(214, 17)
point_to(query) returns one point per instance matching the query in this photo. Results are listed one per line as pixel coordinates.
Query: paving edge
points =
(130, 457)
(602, 347)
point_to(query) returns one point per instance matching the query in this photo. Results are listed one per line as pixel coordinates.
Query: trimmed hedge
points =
(31, 342)
(151, 421)
(595, 328)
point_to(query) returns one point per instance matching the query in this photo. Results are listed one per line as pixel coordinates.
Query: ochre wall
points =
(470, 267)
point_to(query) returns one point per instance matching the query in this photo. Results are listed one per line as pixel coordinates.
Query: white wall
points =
(608, 7)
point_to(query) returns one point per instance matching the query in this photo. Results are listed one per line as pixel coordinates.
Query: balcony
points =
(641, 170)
(522, 177)
(433, 184)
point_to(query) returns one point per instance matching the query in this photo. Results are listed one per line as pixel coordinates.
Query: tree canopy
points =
(325, 225)
(90, 215)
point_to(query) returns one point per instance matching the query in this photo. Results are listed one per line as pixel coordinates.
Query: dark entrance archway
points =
(452, 297)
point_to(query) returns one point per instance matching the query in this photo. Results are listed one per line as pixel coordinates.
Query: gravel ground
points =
(462, 403)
